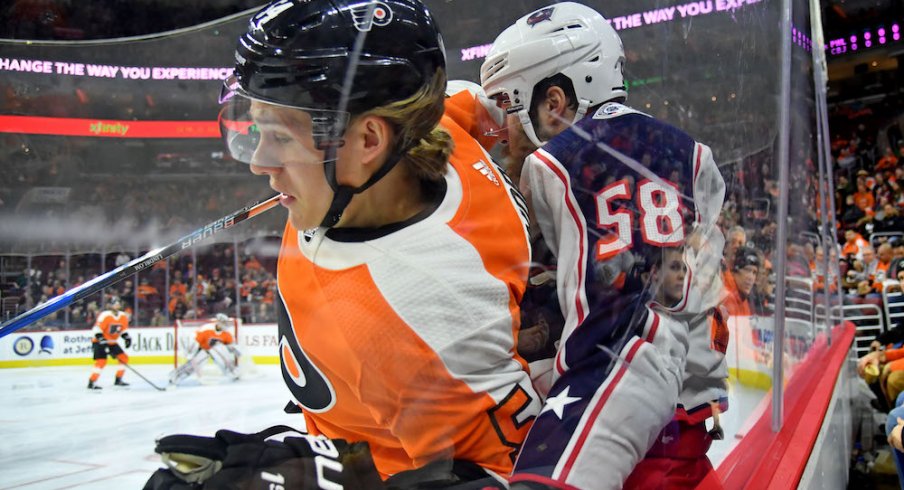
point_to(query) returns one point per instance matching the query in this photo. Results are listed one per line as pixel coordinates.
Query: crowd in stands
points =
(184, 287)
(870, 195)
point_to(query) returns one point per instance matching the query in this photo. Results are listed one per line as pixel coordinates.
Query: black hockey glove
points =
(127, 339)
(234, 461)
(100, 338)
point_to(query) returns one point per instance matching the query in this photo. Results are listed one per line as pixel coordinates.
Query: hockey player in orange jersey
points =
(406, 250)
(213, 341)
(111, 324)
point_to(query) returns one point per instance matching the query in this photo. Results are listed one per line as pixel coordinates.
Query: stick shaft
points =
(142, 377)
(141, 263)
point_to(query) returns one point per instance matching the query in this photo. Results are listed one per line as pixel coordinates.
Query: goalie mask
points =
(333, 60)
(222, 321)
(566, 38)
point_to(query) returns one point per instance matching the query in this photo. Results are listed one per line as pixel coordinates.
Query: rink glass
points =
(131, 158)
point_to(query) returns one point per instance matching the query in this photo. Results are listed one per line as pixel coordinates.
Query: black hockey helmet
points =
(338, 55)
(332, 59)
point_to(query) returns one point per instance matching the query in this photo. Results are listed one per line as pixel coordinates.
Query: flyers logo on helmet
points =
(540, 16)
(372, 14)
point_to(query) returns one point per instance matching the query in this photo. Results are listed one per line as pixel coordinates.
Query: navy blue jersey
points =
(614, 195)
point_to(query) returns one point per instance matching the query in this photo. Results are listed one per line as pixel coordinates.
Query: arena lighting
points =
(865, 38)
(663, 15)
(106, 128)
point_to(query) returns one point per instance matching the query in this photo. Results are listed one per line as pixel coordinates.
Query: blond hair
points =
(416, 124)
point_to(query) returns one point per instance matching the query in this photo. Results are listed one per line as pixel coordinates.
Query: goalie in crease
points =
(214, 341)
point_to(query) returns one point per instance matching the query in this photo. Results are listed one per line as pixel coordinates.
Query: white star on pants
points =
(558, 402)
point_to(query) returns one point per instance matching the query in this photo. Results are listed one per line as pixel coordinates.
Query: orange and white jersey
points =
(209, 333)
(404, 336)
(111, 324)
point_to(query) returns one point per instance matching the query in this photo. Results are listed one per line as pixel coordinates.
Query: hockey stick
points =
(140, 376)
(137, 265)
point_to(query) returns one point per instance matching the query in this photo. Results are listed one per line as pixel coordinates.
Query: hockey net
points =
(184, 336)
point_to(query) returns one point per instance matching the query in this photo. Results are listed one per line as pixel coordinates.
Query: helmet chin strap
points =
(343, 194)
(528, 125)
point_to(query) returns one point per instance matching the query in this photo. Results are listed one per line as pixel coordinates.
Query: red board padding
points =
(764, 459)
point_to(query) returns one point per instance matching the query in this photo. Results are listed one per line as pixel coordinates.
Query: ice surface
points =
(56, 434)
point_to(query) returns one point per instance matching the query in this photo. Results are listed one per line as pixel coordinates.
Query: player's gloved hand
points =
(232, 460)
(100, 338)
(127, 339)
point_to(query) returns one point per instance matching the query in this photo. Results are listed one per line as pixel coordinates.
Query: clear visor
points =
(502, 100)
(267, 134)
(491, 119)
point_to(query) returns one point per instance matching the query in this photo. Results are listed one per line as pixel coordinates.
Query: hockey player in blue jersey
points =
(632, 377)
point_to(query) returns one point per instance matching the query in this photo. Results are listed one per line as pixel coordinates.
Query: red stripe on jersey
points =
(588, 425)
(577, 221)
(699, 151)
(549, 482)
(654, 328)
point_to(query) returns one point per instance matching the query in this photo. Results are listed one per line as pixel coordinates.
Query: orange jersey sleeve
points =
(406, 339)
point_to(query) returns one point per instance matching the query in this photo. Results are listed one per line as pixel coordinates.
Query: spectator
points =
(889, 221)
(853, 216)
(853, 245)
(735, 239)
(888, 161)
(870, 263)
(864, 198)
(146, 291)
(883, 263)
(739, 282)
(896, 271)
(819, 274)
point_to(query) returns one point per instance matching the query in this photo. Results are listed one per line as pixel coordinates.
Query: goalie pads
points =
(224, 357)
(233, 461)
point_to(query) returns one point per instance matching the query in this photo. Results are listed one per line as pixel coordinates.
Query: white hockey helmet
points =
(222, 321)
(567, 38)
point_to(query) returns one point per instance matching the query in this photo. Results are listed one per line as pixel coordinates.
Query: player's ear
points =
(368, 141)
(375, 138)
(556, 108)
